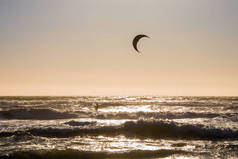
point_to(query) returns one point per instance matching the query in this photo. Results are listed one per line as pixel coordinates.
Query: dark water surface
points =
(122, 127)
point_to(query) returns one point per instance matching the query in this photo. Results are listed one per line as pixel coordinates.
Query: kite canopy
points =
(137, 39)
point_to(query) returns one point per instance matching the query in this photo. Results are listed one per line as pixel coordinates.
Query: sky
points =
(84, 47)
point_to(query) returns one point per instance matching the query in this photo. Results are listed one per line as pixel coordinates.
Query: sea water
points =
(121, 127)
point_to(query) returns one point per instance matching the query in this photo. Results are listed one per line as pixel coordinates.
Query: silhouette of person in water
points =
(96, 106)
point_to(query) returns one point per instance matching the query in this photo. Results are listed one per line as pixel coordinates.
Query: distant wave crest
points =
(35, 114)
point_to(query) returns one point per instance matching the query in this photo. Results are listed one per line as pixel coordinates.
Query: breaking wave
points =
(156, 115)
(144, 129)
(51, 114)
(62, 154)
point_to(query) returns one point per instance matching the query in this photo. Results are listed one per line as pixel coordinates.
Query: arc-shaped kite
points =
(136, 40)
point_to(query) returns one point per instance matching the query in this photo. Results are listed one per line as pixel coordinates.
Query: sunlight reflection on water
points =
(113, 112)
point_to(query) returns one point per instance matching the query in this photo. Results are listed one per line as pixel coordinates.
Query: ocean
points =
(123, 127)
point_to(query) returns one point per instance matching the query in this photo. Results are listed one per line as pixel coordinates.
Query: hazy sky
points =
(84, 47)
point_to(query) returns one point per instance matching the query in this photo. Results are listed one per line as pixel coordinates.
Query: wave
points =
(35, 114)
(158, 115)
(144, 129)
(62, 154)
(50, 114)
(80, 123)
(9, 102)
